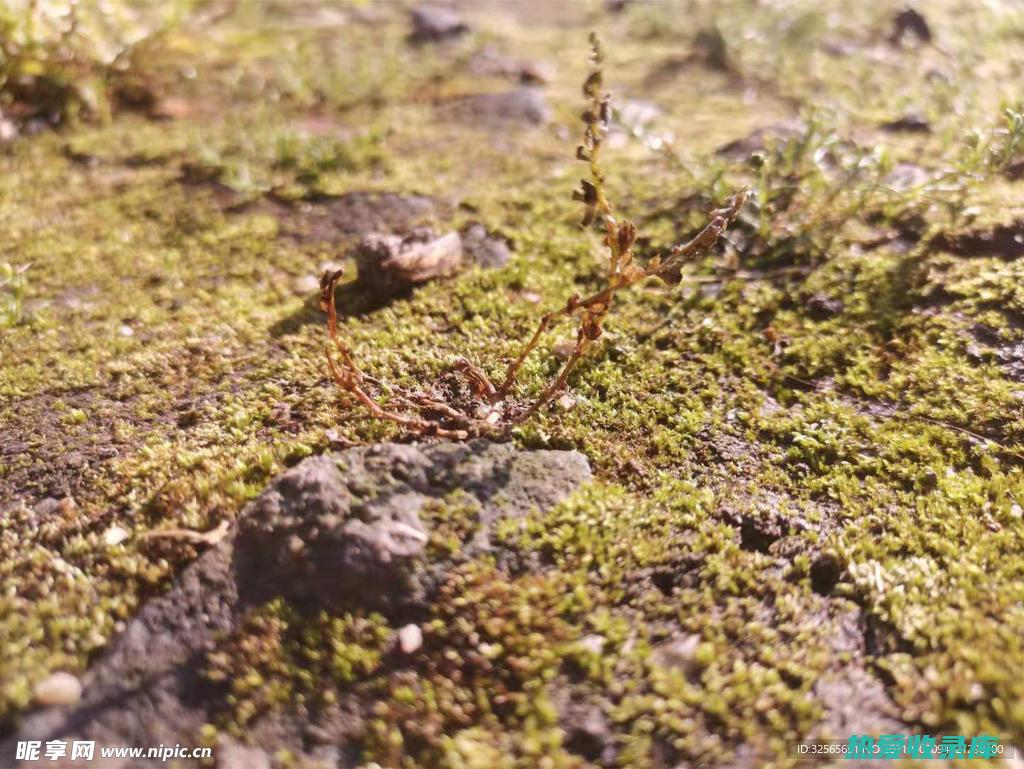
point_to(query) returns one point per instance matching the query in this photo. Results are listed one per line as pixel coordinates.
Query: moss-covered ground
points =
(809, 455)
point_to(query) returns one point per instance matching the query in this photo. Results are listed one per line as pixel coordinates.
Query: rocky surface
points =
(524, 106)
(433, 23)
(491, 61)
(390, 264)
(334, 218)
(336, 531)
(483, 248)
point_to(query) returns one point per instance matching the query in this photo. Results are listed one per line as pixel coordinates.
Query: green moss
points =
(281, 659)
(886, 430)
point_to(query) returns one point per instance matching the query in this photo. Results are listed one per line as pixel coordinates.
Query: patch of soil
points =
(324, 218)
(988, 344)
(1005, 242)
(759, 139)
(46, 456)
(855, 700)
(332, 219)
(523, 106)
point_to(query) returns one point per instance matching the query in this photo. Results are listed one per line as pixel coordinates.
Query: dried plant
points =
(491, 406)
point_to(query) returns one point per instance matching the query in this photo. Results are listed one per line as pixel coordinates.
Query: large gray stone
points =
(433, 23)
(336, 531)
(345, 529)
(524, 106)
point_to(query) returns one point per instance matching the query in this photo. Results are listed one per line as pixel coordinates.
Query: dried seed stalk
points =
(493, 402)
(623, 271)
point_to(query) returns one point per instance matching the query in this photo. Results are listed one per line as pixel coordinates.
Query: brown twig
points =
(350, 379)
(623, 271)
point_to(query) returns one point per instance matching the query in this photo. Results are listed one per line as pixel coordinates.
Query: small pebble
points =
(484, 249)
(232, 754)
(822, 306)
(8, 130)
(280, 412)
(306, 284)
(562, 349)
(410, 639)
(125, 331)
(434, 23)
(678, 653)
(58, 689)
(115, 535)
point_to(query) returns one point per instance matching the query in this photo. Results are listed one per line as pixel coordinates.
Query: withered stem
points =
(592, 311)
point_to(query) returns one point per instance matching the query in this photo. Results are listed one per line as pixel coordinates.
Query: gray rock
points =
(523, 105)
(587, 733)
(678, 652)
(431, 23)
(389, 264)
(339, 219)
(822, 306)
(761, 139)
(337, 530)
(491, 61)
(345, 529)
(233, 755)
(484, 249)
(311, 534)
